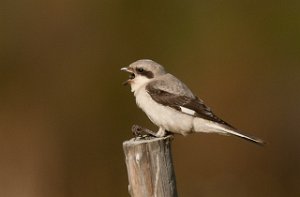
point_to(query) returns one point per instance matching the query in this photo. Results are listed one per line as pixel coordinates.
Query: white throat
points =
(138, 82)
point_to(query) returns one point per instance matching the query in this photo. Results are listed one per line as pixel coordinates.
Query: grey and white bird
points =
(171, 105)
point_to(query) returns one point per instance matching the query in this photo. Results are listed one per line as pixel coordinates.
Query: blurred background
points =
(64, 113)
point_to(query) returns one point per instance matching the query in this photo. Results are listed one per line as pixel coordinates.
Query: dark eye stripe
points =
(145, 73)
(148, 74)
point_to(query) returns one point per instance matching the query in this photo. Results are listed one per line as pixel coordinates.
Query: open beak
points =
(131, 76)
(126, 69)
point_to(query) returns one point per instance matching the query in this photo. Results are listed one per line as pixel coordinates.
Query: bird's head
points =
(141, 72)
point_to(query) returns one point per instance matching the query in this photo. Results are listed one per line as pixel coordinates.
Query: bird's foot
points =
(138, 132)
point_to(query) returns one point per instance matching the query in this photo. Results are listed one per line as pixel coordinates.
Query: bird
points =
(171, 105)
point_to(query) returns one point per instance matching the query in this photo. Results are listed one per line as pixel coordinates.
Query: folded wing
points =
(187, 104)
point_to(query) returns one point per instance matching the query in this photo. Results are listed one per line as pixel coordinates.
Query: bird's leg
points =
(138, 132)
(161, 132)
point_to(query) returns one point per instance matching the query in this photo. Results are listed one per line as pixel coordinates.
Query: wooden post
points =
(150, 168)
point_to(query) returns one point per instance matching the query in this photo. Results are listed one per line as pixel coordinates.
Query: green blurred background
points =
(64, 113)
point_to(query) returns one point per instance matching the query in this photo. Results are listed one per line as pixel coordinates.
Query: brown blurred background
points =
(64, 113)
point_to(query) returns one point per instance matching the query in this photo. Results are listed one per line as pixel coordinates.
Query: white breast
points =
(163, 116)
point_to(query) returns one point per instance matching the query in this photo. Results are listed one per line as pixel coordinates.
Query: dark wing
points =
(179, 102)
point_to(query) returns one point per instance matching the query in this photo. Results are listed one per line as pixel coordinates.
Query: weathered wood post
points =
(150, 168)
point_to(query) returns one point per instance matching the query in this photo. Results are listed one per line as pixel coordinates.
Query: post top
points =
(136, 141)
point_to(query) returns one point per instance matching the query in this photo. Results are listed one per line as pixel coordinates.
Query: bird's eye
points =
(140, 70)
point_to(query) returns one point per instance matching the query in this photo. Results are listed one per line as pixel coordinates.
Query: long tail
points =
(244, 136)
(202, 125)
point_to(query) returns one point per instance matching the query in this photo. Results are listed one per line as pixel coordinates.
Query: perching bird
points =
(171, 105)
